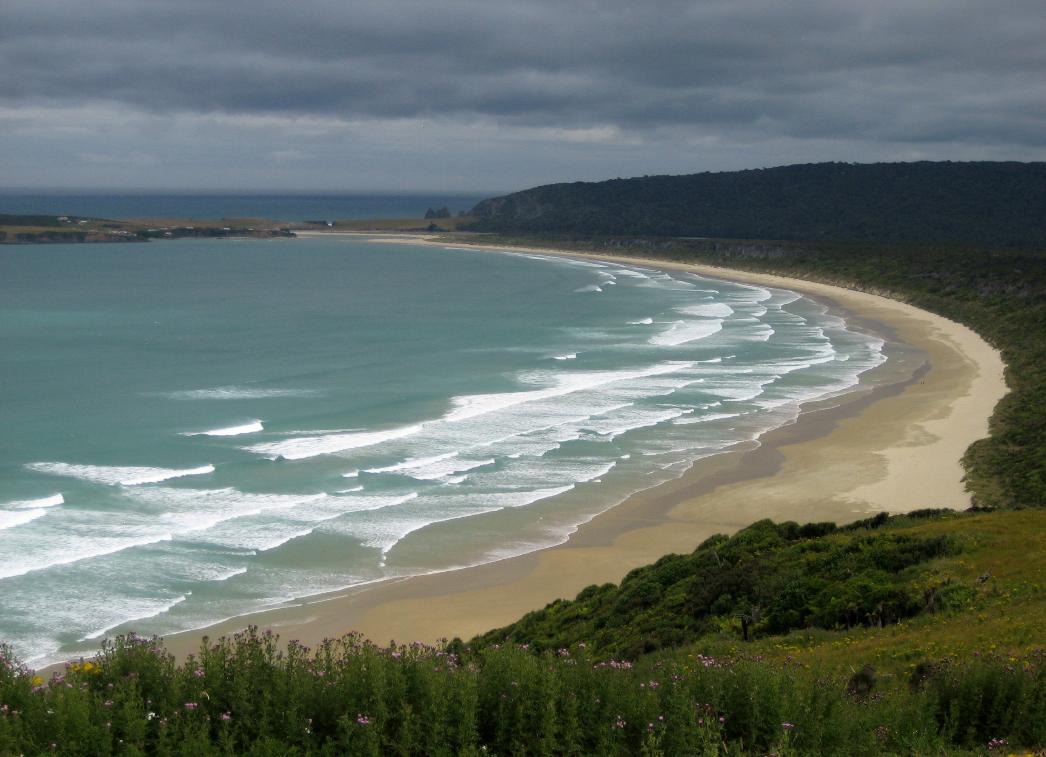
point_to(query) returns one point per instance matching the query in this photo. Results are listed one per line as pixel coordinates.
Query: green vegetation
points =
(766, 579)
(998, 204)
(809, 691)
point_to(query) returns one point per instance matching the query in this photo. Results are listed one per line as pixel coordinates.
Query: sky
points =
(489, 96)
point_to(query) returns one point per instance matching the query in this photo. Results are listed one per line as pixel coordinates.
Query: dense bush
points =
(766, 579)
(245, 696)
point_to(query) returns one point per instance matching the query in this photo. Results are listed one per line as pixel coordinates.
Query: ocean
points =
(193, 430)
(213, 206)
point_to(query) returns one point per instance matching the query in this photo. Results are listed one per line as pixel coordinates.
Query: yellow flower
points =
(37, 681)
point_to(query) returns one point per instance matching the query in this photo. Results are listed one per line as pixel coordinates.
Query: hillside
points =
(895, 591)
(1002, 204)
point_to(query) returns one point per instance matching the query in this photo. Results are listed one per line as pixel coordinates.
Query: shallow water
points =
(193, 430)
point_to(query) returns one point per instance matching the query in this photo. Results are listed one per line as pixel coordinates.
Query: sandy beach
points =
(894, 448)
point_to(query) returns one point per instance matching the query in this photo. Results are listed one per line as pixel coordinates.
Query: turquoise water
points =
(193, 430)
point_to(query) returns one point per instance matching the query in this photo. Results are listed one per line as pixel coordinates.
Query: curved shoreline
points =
(867, 452)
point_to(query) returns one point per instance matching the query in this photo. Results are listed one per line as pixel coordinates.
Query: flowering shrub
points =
(248, 694)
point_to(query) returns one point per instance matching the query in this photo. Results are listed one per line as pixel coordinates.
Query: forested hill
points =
(986, 203)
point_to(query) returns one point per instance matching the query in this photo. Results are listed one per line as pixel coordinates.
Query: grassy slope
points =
(1004, 614)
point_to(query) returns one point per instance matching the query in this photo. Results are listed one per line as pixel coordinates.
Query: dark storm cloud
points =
(891, 70)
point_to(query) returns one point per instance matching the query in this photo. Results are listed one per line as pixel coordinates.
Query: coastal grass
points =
(246, 696)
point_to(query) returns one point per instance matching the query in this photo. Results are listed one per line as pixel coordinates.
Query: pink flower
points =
(362, 719)
(226, 717)
(190, 706)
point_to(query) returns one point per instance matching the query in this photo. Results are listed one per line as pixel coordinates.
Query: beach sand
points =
(895, 448)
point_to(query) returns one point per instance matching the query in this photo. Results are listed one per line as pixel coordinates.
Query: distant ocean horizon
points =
(304, 206)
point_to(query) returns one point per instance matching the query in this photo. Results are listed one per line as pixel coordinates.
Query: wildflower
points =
(150, 715)
(226, 717)
(362, 719)
(620, 722)
(199, 673)
(37, 681)
(190, 706)
(107, 703)
(788, 726)
(996, 744)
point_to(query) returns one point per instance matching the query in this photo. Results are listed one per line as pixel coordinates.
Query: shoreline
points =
(870, 450)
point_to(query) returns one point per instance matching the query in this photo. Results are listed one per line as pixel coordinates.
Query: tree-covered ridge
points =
(1000, 204)
(766, 579)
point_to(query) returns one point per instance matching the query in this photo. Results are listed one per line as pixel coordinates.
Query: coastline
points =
(867, 452)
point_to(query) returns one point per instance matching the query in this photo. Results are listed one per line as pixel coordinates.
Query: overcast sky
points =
(489, 96)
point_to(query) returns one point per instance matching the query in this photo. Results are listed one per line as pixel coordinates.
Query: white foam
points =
(227, 575)
(237, 393)
(433, 468)
(159, 609)
(635, 418)
(13, 518)
(351, 474)
(385, 531)
(190, 511)
(684, 332)
(708, 310)
(31, 504)
(117, 475)
(12, 566)
(311, 446)
(568, 356)
(704, 418)
(350, 490)
(589, 288)
(641, 322)
(630, 273)
(474, 405)
(247, 428)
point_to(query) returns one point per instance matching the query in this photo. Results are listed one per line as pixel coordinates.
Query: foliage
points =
(1000, 204)
(766, 579)
(245, 696)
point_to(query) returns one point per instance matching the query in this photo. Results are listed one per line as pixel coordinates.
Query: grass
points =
(1004, 616)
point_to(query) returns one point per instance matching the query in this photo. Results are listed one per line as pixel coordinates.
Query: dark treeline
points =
(999, 204)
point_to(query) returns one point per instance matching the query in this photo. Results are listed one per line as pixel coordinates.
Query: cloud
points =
(894, 75)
